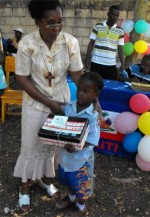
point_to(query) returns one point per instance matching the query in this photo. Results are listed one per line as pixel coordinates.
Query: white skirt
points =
(35, 160)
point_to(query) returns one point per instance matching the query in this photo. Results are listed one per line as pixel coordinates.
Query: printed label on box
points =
(59, 121)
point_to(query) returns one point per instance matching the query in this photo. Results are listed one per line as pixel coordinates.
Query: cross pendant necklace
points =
(50, 76)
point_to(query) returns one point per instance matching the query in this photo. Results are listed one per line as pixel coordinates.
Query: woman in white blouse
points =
(43, 60)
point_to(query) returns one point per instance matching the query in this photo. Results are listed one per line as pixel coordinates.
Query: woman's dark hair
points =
(95, 78)
(38, 7)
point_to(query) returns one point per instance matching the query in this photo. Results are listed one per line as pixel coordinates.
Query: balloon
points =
(126, 38)
(127, 26)
(140, 46)
(143, 165)
(139, 103)
(72, 88)
(144, 148)
(131, 141)
(147, 33)
(144, 123)
(141, 26)
(128, 48)
(147, 51)
(126, 122)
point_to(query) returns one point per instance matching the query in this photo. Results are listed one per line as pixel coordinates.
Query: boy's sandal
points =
(64, 203)
(24, 203)
(76, 213)
(50, 189)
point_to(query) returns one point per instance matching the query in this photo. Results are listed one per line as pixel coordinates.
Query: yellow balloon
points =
(140, 46)
(144, 123)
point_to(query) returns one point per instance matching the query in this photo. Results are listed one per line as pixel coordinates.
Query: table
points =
(116, 95)
(114, 99)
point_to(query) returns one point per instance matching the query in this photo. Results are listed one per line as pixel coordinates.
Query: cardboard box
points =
(112, 144)
(110, 139)
(61, 130)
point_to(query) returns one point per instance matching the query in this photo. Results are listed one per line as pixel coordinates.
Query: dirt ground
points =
(121, 189)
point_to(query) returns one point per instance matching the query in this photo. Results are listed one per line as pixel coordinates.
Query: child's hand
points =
(70, 148)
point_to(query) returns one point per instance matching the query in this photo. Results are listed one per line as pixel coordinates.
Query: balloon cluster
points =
(140, 46)
(136, 126)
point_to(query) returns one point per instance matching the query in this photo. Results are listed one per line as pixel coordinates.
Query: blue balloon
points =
(131, 141)
(141, 26)
(72, 87)
(127, 26)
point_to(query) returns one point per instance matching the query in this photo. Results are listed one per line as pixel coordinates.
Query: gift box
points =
(61, 130)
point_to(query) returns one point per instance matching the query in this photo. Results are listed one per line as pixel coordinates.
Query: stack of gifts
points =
(61, 130)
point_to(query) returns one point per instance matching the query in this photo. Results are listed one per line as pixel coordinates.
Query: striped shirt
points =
(106, 43)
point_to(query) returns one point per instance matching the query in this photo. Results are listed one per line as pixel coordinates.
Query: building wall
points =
(80, 16)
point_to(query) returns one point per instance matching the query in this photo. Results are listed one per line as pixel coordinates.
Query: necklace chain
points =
(50, 75)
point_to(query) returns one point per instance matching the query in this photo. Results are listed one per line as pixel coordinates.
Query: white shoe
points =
(24, 200)
(50, 189)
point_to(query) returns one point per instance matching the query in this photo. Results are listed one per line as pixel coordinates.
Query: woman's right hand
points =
(56, 107)
(28, 86)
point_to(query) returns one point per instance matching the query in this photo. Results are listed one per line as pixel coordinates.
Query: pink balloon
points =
(126, 38)
(147, 51)
(143, 165)
(126, 122)
(139, 103)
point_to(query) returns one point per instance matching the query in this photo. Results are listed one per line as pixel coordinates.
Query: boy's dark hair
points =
(95, 78)
(38, 7)
(146, 58)
(114, 7)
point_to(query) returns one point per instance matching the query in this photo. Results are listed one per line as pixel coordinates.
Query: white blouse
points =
(35, 59)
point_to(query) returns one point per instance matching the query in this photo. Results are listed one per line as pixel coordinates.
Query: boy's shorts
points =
(79, 182)
(106, 72)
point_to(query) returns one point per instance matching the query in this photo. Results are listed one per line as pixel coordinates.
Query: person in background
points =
(75, 168)
(3, 84)
(44, 58)
(1, 43)
(138, 72)
(12, 44)
(4, 41)
(106, 39)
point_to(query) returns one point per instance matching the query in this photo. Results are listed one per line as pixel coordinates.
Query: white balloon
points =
(147, 33)
(127, 26)
(144, 148)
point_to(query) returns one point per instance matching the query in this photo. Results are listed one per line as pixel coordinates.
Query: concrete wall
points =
(80, 16)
